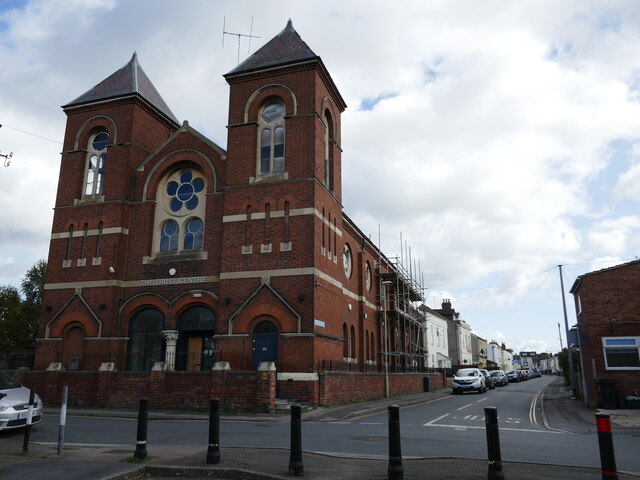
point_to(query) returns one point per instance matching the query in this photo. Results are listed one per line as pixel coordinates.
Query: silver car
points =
(467, 379)
(14, 404)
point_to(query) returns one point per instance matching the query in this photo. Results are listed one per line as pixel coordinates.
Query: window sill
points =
(89, 200)
(269, 177)
(183, 256)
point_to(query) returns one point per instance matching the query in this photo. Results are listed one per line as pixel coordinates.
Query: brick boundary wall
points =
(342, 387)
(240, 390)
(237, 390)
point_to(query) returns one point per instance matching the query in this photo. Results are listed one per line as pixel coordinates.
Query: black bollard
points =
(27, 428)
(296, 466)
(213, 452)
(605, 442)
(141, 437)
(395, 470)
(493, 443)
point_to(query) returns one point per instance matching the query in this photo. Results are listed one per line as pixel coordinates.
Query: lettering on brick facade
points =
(172, 281)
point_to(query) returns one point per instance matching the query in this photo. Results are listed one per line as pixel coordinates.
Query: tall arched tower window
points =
(328, 136)
(271, 139)
(96, 159)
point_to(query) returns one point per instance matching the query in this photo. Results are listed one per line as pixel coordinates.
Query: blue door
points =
(265, 344)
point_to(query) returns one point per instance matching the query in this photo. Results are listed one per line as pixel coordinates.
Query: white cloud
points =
(494, 121)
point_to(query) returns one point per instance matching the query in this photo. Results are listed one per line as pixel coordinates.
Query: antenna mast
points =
(239, 35)
(6, 156)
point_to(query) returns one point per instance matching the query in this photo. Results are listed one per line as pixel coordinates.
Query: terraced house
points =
(182, 271)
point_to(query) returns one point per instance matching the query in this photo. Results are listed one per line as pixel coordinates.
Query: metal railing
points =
(341, 366)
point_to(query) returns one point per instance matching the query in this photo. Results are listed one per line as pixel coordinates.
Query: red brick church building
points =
(175, 264)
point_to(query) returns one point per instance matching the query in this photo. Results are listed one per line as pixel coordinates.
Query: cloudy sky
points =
(497, 139)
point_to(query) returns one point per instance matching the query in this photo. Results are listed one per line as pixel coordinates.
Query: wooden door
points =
(194, 353)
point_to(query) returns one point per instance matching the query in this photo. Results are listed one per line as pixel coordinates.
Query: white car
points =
(14, 404)
(468, 379)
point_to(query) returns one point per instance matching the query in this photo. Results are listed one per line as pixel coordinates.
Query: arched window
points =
(368, 351)
(353, 342)
(373, 347)
(271, 139)
(69, 242)
(180, 212)
(193, 235)
(84, 240)
(328, 136)
(146, 343)
(169, 237)
(345, 341)
(99, 244)
(96, 158)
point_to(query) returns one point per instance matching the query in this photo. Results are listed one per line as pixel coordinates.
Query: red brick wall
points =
(186, 390)
(247, 390)
(609, 308)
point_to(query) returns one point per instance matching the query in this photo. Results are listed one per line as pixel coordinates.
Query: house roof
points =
(284, 49)
(129, 80)
(576, 283)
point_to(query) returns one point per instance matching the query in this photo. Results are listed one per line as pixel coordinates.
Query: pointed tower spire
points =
(286, 48)
(129, 80)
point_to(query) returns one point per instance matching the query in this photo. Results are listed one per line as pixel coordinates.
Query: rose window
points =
(183, 193)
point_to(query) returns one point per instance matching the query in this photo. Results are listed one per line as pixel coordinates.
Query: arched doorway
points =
(196, 347)
(146, 343)
(73, 347)
(265, 343)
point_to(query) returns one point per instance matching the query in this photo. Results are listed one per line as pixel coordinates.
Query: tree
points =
(10, 321)
(563, 361)
(19, 317)
(33, 283)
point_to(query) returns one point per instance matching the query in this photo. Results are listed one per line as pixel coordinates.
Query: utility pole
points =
(572, 375)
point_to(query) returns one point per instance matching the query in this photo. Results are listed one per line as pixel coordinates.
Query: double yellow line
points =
(532, 407)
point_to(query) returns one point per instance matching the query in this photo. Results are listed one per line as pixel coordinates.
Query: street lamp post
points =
(572, 374)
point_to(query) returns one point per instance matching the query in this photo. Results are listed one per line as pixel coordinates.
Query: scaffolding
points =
(402, 323)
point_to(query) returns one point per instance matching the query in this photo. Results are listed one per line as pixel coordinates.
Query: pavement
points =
(559, 412)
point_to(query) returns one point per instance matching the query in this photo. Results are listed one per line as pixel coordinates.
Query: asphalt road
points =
(449, 426)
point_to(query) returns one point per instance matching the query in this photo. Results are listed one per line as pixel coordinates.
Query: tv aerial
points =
(238, 35)
(6, 156)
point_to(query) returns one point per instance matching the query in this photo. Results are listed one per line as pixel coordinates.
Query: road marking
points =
(370, 423)
(468, 405)
(465, 427)
(532, 409)
(481, 400)
(401, 408)
(436, 419)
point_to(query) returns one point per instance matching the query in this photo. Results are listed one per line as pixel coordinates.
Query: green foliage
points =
(32, 285)
(563, 361)
(19, 317)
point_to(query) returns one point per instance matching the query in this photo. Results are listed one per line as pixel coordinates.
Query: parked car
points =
(499, 378)
(513, 376)
(14, 404)
(536, 373)
(488, 379)
(469, 379)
